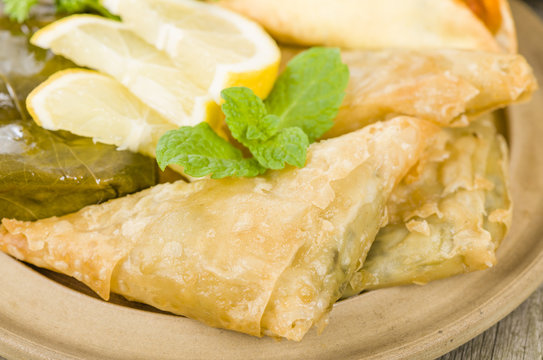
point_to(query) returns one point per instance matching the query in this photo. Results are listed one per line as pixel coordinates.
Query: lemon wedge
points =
(91, 104)
(108, 46)
(221, 48)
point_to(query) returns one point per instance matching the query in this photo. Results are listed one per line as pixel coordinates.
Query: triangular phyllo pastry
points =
(267, 255)
(447, 217)
(448, 87)
(370, 24)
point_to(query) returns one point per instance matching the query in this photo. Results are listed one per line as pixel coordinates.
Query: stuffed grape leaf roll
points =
(44, 173)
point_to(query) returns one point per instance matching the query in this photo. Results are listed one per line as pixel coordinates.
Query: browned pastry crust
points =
(447, 87)
(367, 24)
(266, 255)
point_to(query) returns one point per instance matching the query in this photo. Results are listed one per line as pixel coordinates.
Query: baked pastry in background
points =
(367, 24)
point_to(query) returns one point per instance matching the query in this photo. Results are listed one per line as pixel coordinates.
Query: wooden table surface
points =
(519, 336)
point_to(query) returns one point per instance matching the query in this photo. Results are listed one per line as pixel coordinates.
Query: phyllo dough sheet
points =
(262, 255)
(448, 216)
(370, 24)
(447, 87)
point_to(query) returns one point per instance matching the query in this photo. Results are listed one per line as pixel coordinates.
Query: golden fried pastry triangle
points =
(447, 87)
(370, 24)
(447, 217)
(267, 255)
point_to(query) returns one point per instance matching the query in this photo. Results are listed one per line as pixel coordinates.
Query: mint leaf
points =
(300, 109)
(71, 6)
(288, 146)
(249, 123)
(18, 10)
(309, 92)
(246, 116)
(200, 151)
(77, 6)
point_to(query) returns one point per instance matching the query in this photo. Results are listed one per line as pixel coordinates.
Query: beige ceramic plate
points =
(43, 319)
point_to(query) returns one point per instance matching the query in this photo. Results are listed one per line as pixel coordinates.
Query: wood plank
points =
(517, 337)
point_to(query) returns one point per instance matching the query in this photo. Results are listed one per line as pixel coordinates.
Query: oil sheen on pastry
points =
(447, 87)
(369, 24)
(267, 255)
(446, 218)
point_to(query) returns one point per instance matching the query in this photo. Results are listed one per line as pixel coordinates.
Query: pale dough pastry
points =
(448, 87)
(377, 24)
(266, 255)
(448, 216)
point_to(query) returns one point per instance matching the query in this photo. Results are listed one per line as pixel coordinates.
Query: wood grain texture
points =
(537, 5)
(520, 335)
(517, 337)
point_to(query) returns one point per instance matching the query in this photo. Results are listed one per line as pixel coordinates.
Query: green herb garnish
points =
(202, 152)
(19, 10)
(300, 108)
(250, 124)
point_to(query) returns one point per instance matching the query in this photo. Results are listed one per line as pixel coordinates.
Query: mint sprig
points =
(19, 10)
(202, 152)
(309, 92)
(250, 124)
(277, 131)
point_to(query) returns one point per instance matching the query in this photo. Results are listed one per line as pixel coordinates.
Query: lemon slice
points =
(108, 46)
(91, 104)
(222, 48)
